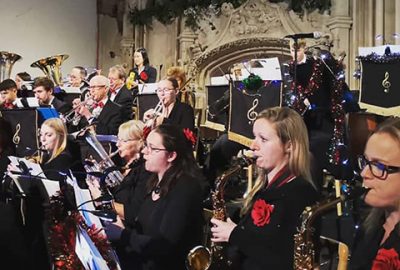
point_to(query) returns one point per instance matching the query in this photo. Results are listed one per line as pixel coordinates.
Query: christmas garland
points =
(194, 11)
(300, 93)
(62, 235)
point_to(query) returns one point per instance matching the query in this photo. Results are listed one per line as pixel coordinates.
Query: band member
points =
(118, 91)
(142, 72)
(173, 111)
(22, 89)
(169, 222)
(43, 88)
(377, 244)
(53, 139)
(8, 92)
(77, 78)
(185, 95)
(264, 235)
(106, 114)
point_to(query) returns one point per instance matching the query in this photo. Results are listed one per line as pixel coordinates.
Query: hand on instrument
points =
(221, 230)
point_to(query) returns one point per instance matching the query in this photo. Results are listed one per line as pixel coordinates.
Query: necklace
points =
(157, 189)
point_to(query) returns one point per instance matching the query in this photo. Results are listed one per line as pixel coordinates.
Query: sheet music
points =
(148, 88)
(32, 102)
(52, 187)
(34, 168)
(379, 50)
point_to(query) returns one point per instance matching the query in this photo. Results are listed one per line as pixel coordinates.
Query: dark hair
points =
(45, 82)
(82, 71)
(174, 82)
(24, 76)
(7, 84)
(145, 56)
(174, 140)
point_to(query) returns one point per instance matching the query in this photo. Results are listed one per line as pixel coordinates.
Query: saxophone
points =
(304, 251)
(214, 257)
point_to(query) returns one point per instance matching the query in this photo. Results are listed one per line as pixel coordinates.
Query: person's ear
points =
(288, 147)
(171, 156)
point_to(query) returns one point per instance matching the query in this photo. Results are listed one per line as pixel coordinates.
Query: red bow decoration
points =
(113, 90)
(143, 76)
(8, 105)
(190, 136)
(98, 104)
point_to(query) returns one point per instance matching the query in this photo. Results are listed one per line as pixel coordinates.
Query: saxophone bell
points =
(199, 258)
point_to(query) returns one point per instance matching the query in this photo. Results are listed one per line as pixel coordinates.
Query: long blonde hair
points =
(61, 131)
(133, 129)
(289, 127)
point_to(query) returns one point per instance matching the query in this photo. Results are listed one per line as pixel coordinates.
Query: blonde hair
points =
(61, 131)
(132, 129)
(290, 128)
(177, 73)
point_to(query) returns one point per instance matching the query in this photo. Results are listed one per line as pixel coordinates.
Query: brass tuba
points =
(7, 61)
(51, 67)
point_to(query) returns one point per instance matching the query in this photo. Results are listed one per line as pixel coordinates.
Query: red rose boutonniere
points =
(143, 76)
(386, 259)
(261, 212)
(190, 136)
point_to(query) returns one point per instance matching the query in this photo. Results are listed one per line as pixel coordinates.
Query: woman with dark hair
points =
(173, 111)
(377, 244)
(169, 222)
(142, 72)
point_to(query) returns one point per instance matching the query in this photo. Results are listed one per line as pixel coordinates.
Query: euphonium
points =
(304, 252)
(201, 257)
(51, 67)
(7, 61)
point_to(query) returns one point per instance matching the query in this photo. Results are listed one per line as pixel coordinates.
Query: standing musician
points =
(43, 88)
(185, 95)
(265, 234)
(106, 114)
(142, 72)
(119, 93)
(173, 111)
(377, 244)
(170, 221)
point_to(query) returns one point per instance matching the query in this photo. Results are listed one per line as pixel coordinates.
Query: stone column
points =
(127, 42)
(379, 15)
(397, 21)
(339, 25)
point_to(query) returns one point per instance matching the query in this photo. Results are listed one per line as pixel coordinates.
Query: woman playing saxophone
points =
(264, 235)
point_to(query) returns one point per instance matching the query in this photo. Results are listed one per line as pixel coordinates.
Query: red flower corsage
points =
(386, 259)
(143, 76)
(190, 136)
(261, 212)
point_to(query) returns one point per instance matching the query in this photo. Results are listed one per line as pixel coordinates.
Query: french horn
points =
(7, 60)
(51, 67)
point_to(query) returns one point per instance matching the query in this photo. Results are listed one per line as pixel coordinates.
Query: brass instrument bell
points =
(51, 67)
(7, 60)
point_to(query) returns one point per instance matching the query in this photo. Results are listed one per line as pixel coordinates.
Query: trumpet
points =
(73, 117)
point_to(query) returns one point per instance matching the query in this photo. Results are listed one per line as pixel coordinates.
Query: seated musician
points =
(56, 158)
(22, 89)
(377, 244)
(43, 88)
(173, 111)
(77, 78)
(8, 92)
(119, 93)
(169, 222)
(104, 113)
(185, 95)
(264, 236)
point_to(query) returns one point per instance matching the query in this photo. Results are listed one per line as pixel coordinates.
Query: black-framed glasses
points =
(379, 170)
(152, 149)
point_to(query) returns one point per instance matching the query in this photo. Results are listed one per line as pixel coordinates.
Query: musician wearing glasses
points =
(169, 222)
(104, 113)
(119, 93)
(173, 111)
(43, 88)
(377, 244)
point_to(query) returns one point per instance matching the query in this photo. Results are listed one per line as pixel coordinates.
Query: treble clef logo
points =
(251, 113)
(16, 138)
(385, 83)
